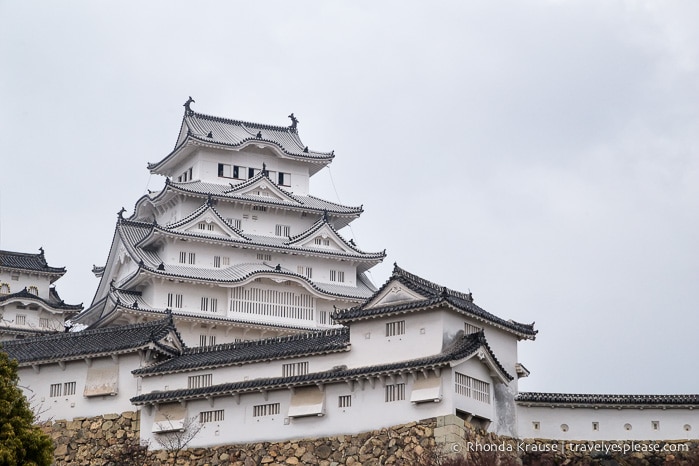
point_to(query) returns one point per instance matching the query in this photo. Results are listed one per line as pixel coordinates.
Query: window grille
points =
(395, 328)
(55, 389)
(199, 381)
(472, 388)
(282, 230)
(269, 409)
(273, 303)
(395, 392)
(20, 319)
(469, 328)
(69, 388)
(211, 416)
(344, 401)
(294, 368)
(337, 276)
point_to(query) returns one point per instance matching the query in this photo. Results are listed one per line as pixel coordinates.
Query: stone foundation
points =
(113, 440)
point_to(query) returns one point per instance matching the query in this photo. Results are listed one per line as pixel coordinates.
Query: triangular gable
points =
(394, 292)
(486, 357)
(324, 238)
(206, 221)
(261, 186)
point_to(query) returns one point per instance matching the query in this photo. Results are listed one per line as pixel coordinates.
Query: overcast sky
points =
(542, 154)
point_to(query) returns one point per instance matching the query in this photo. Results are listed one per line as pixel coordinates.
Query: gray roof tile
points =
(110, 340)
(435, 295)
(592, 400)
(254, 351)
(462, 347)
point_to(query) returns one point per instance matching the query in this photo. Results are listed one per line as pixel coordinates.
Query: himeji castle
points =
(234, 245)
(230, 297)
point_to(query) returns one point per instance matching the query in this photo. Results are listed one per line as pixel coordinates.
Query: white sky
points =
(542, 154)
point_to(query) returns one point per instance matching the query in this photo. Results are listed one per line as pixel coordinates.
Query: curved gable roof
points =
(432, 295)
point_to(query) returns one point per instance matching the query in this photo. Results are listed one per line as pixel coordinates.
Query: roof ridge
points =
(239, 122)
(94, 331)
(267, 341)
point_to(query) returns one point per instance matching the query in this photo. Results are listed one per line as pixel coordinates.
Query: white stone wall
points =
(611, 423)
(36, 383)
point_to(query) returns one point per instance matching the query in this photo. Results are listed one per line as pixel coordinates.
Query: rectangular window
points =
(282, 230)
(323, 317)
(217, 261)
(202, 226)
(306, 271)
(337, 276)
(344, 401)
(595, 426)
(239, 172)
(472, 388)
(259, 208)
(226, 261)
(264, 257)
(295, 368)
(395, 392)
(655, 425)
(205, 340)
(192, 258)
(199, 381)
(469, 328)
(55, 389)
(183, 257)
(211, 416)
(43, 322)
(234, 222)
(318, 241)
(69, 388)
(395, 328)
(265, 410)
(174, 300)
(20, 319)
(284, 179)
(209, 304)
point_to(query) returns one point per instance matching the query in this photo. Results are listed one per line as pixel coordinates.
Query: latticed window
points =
(470, 328)
(33, 290)
(471, 387)
(337, 276)
(20, 319)
(199, 381)
(207, 340)
(174, 300)
(269, 409)
(211, 416)
(344, 401)
(307, 271)
(395, 328)
(264, 257)
(69, 388)
(55, 389)
(43, 322)
(295, 368)
(273, 303)
(282, 230)
(209, 304)
(395, 392)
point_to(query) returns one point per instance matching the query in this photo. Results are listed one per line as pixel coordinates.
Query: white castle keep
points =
(231, 298)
